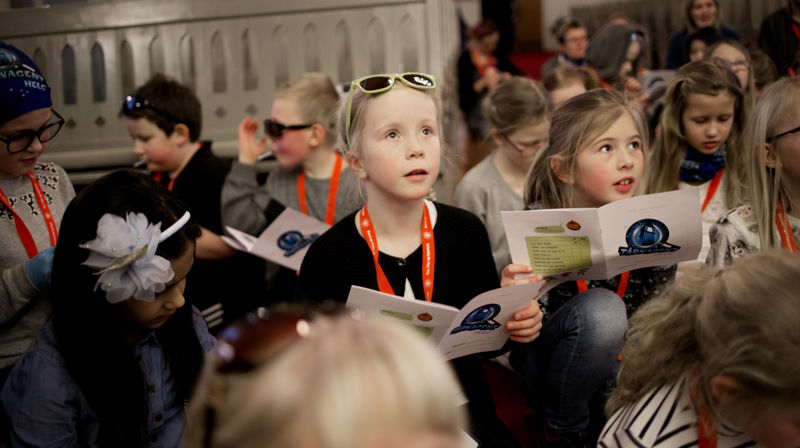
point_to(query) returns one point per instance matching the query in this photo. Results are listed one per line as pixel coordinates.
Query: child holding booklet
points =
(519, 115)
(596, 155)
(399, 242)
(712, 363)
(700, 140)
(771, 216)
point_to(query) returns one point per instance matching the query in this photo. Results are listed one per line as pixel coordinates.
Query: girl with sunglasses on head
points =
(519, 115)
(117, 362)
(770, 217)
(325, 381)
(164, 119)
(33, 196)
(390, 128)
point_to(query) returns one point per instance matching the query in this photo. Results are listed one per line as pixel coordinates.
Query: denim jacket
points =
(47, 408)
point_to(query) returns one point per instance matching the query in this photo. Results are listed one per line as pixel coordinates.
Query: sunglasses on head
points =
(380, 83)
(137, 104)
(275, 128)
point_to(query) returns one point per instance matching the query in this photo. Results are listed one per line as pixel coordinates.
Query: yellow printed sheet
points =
(555, 254)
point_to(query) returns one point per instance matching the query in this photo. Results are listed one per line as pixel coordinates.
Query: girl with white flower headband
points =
(115, 365)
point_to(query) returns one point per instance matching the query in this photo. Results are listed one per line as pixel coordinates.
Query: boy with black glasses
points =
(33, 196)
(164, 118)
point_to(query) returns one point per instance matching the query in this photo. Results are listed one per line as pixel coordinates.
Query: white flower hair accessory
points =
(125, 254)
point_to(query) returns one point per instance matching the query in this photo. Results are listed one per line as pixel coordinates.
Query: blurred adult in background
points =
(779, 37)
(697, 14)
(573, 40)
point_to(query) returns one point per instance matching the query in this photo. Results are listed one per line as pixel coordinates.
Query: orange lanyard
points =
(22, 230)
(157, 177)
(428, 252)
(712, 188)
(476, 59)
(784, 228)
(623, 285)
(332, 187)
(706, 433)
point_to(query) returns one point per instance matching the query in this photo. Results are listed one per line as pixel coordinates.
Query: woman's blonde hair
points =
(515, 103)
(706, 77)
(767, 185)
(575, 124)
(317, 101)
(351, 379)
(740, 322)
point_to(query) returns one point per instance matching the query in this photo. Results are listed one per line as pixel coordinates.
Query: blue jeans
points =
(574, 357)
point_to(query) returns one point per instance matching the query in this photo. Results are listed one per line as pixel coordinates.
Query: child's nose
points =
(624, 159)
(175, 301)
(138, 147)
(415, 149)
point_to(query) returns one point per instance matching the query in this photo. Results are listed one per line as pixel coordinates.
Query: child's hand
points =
(249, 148)
(507, 277)
(632, 87)
(527, 323)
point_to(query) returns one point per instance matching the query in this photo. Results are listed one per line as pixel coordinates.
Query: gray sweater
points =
(16, 290)
(244, 200)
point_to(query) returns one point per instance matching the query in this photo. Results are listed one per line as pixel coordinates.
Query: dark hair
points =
(171, 103)
(483, 29)
(564, 24)
(708, 34)
(608, 48)
(88, 329)
(764, 70)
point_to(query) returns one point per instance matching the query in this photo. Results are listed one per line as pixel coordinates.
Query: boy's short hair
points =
(317, 101)
(563, 25)
(166, 103)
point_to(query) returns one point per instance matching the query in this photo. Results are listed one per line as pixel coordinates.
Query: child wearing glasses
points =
(700, 141)
(311, 175)
(116, 363)
(33, 196)
(399, 242)
(519, 116)
(340, 381)
(712, 362)
(770, 218)
(164, 119)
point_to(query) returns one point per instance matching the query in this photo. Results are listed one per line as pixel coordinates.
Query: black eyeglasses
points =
(23, 140)
(790, 131)
(275, 128)
(138, 104)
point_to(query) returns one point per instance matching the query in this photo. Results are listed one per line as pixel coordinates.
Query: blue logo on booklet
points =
(480, 319)
(647, 236)
(292, 241)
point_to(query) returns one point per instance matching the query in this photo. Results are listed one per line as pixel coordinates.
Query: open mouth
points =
(710, 145)
(624, 185)
(418, 172)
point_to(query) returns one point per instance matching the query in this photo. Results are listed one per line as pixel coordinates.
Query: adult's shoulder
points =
(729, 33)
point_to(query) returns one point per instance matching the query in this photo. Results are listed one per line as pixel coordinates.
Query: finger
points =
(262, 145)
(530, 311)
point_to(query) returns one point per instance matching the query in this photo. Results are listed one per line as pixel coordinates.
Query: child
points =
(391, 129)
(565, 82)
(118, 360)
(699, 144)
(699, 40)
(519, 115)
(33, 196)
(596, 155)
(310, 177)
(696, 14)
(737, 56)
(614, 55)
(771, 216)
(164, 119)
(764, 71)
(346, 382)
(711, 362)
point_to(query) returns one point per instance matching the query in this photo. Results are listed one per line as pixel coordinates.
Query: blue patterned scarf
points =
(699, 167)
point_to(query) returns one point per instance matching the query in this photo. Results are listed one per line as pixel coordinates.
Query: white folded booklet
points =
(285, 241)
(477, 327)
(600, 243)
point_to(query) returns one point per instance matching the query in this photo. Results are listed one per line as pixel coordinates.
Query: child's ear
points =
(496, 138)
(317, 135)
(355, 165)
(770, 159)
(558, 165)
(181, 134)
(725, 389)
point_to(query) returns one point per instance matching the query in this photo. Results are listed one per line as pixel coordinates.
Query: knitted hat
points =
(22, 86)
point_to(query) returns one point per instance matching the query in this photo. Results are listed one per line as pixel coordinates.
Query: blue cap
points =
(22, 86)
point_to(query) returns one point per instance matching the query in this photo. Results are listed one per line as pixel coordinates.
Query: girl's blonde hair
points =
(706, 77)
(515, 103)
(740, 322)
(767, 185)
(317, 101)
(352, 378)
(575, 124)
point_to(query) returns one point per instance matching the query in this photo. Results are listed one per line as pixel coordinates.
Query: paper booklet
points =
(600, 243)
(286, 239)
(477, 327)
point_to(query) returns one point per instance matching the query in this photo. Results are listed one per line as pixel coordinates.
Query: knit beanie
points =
(22, 86)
